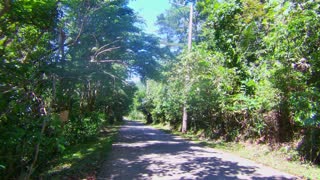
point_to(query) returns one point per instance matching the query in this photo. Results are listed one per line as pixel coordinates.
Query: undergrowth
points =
(82, 161)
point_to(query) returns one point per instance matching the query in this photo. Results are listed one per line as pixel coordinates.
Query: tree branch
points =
(104, 46)
(80, 31)
(109, 61)
(44, 113)
(106, 50)
(115, 77)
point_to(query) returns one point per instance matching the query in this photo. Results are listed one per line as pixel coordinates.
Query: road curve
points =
(143, 152)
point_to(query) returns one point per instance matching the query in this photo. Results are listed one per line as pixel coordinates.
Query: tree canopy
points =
(65, 70)
(253, 74)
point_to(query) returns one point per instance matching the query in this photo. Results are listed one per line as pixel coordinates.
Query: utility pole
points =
(187, 78)
(185, 112)
(190, 28)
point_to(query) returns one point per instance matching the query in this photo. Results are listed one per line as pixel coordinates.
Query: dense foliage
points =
(253, 74)
(64, 71)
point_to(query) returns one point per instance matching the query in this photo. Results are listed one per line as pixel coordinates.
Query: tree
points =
(64, 64)
(25, 36)
(253, 73)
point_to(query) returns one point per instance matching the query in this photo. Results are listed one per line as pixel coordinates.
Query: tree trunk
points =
(149, 118)
(284, 123)
(184, 119)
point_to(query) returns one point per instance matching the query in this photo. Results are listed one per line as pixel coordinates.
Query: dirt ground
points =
(143, 152)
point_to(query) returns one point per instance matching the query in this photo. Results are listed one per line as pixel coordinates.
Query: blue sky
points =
(149, 10)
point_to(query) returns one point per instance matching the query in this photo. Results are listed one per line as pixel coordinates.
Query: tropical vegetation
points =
(65, 70)
(252, 74)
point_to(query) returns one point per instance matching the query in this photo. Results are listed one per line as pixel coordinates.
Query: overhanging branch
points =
(109, 61)
(106, 50)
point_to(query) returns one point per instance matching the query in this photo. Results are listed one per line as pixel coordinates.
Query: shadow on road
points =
(142, 152)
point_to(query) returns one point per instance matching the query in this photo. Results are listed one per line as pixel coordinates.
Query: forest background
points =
(253, 73)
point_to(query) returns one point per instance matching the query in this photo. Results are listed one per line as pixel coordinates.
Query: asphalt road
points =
(143, 152)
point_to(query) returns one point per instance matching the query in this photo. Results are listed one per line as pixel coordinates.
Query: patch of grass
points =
(263, 154)
(82, 161)
(277, 159)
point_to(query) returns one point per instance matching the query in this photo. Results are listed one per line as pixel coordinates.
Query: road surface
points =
(143, 152)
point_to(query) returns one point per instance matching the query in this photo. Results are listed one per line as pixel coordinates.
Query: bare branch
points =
(80, 31)
(106, 50)
(74, 41)
(115, 77)
(104, 46)
(98, 8)
(95, 38)
(109, 61)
